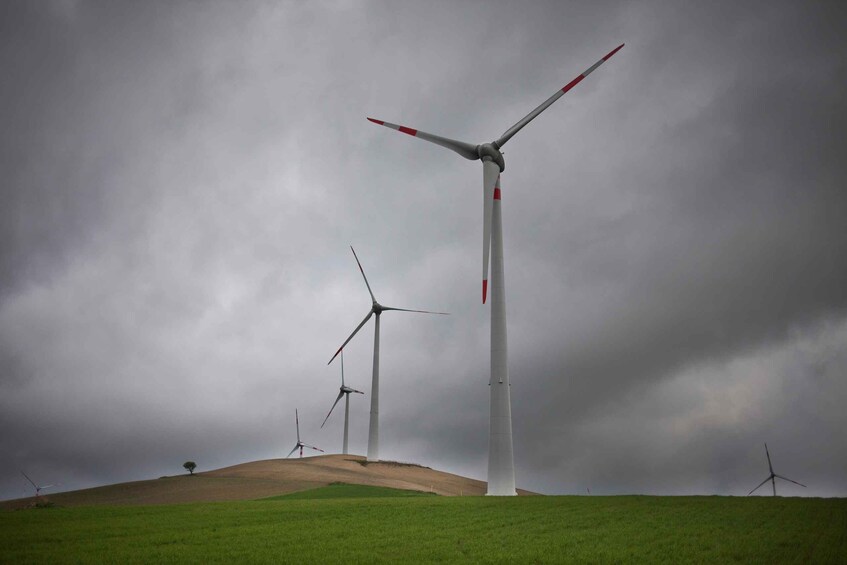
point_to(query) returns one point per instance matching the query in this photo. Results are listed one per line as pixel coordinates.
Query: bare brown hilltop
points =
(272, 477)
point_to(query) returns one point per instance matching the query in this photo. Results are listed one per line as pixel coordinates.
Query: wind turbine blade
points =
(368, 317)
(357, 391)
(490, 174)
(466, 150)
(315, 448)
(342, 371)
(290, 452)
(48, 486)
(30, 480)
(340, 394)
(546, 104)
(297, 421)
(779, 477)
(418, 311)
(363, 273)
(769, 458)
(757, 488)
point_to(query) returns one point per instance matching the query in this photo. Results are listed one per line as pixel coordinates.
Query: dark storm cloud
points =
(183, 182)
(739, 241)
(38, 52)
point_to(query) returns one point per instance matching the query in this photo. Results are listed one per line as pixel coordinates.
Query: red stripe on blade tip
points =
(615, 50)
(380, 122)
(496, 194)
(572, 83)
(410, 131)
(484, 290)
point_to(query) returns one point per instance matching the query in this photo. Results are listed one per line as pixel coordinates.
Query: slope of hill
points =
(272, 477)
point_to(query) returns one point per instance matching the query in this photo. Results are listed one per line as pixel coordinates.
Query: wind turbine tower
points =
(345, 391)
(376, 310)
(501, 467)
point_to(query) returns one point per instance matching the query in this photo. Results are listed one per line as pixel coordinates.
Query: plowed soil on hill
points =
(272, 477)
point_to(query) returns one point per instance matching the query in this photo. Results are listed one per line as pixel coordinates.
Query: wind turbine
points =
(300, 444)
(376, 309)
(37, 488)
(773, 476)
(345, 391)
(501, 468)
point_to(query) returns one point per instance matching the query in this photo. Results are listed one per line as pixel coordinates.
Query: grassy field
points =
(341, 523)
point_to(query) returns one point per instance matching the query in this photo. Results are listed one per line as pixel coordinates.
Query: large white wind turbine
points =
(501, 468)
(773, 476)
(376, 309)
(38, 488)
(299, 443)
(345, 391)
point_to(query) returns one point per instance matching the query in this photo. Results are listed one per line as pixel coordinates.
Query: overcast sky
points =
(182, 182)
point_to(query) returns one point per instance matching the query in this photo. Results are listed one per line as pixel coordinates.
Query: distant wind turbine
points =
(300, 444)
(773, 476)
(501, 464)
(37, 488)
(345, 391)
(376, 309)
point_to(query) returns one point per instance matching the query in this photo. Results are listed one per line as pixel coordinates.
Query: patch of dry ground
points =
(272, 477)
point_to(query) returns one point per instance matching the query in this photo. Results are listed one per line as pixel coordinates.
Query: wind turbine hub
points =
(490, 152)
(377, 308)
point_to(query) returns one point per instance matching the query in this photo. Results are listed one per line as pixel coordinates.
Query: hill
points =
(272, 477)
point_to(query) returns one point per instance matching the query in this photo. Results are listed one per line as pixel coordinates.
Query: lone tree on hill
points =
(190, 465)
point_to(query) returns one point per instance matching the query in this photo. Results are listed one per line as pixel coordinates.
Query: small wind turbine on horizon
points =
(501, 466)
(300, 444)
(345, 391)
(38, 489)
(773, 476)
(376, 309)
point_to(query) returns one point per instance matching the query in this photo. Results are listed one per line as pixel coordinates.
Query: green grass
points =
(344, 490)
(625, 529)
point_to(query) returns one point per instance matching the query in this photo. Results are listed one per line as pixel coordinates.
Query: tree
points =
(190, 465)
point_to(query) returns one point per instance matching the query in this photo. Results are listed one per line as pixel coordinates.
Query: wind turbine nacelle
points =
(490, 151)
